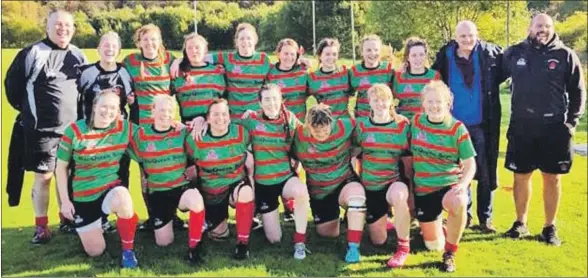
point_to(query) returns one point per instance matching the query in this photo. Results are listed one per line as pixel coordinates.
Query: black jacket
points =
(547, 82)
(491, 69)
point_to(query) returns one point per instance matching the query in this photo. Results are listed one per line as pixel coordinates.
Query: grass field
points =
(479, 255)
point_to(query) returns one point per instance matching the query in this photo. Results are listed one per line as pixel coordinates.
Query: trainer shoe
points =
(195, 255)
(241, 252)
(549, 235)
(179, 223)
(42, 235)
(517, 231)
(397, 260)
(257, 224)
(353, 254)
(128, 259)
(300, 251)
(449, 262)
(67, 227)
(288, 216)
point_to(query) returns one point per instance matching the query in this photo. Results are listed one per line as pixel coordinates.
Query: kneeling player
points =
(323, 146)
(220, 158)
(444, 166)
(92, 149)
(159, 149)
(383, 138)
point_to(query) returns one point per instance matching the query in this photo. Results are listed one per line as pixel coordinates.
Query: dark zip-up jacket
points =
(491, 69)
(547, 82)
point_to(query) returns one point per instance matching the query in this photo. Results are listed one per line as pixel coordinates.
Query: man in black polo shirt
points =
(41, 85)
(548, 96)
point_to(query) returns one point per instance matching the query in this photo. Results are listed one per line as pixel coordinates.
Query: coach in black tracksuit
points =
(41, 85)
(548, 96)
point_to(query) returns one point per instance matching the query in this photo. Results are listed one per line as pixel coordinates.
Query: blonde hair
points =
(440, 88)
(149, 28)
(97, 98)
(370, 37)
(245, 26)
(161, 98)
(382, 91)
(111, 35)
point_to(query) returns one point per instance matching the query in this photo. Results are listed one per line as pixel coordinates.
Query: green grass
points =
(479, 255)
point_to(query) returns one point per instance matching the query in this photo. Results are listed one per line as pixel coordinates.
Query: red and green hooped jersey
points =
(245, 76)
(407, 89)
(155, 80)
(271, 148)
(327, 164)
(382, 146)
(220, 161)
(294, 84)
(196, 91)
(362, 79)
(332, 89)
(162, 156)
(437, 151)
(96, 154)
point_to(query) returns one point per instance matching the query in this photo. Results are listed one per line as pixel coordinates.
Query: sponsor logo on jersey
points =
(211, 155)
(521, 62)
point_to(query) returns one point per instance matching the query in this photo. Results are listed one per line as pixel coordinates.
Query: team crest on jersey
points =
(371, 138)
(281, 84)
(521, 62)
(364, 81)
(237, 69)
(311, 149)
(151, 147)
(170, 142)
(211, 155)
(260, 127)
(421, 136)
(408, 88)
(325, 84)
(552, 64)
(146, 73)
(91, 144)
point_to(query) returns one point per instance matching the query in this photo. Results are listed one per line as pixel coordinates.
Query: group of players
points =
(246, 134)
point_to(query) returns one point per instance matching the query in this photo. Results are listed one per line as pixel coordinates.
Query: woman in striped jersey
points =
(330, 83)
(150, 72)
(92, 149)
(323, 147)
(159, 149)
(272, 131)
(370, 71)
(199, 82)
(444, 166)
(408, 84)
(383, 138)
(220, 158)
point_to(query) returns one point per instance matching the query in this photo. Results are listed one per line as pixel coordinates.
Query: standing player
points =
(220, 158)
(383, 138)
(408, 85)
(444, 166)
(323, 146)
(40, 84)
(159, 149)
(272, 131)
(370, 71)
(92, 149)
(150, 72)
(199, 82)
(330, 83)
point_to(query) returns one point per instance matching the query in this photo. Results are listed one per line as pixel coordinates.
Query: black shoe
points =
(549, 235)
(288, 216)
(449, 262)
(517, 231)
(195, 255)
(179, 223)
(241, 252)
(257, 224)
(67, 227)
(42, 235)
(146, 226)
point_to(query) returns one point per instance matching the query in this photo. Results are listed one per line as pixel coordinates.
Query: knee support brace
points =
(356, 203)
(436, 245)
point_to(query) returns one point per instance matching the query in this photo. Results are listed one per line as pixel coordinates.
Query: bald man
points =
(472, 70)
(41, 85)
(548, 98)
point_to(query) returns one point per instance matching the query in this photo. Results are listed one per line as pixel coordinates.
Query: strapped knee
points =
(356, 203)
(436, 245)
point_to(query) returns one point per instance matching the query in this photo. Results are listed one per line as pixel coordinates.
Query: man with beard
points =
(548, 96)
(41, 85)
